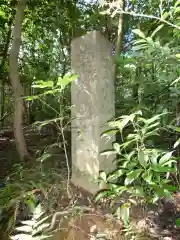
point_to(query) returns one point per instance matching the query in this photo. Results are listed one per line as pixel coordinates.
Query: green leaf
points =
(107, 153)
(109, 133)
(31, 98)
(139, 192)
(150, 134)
(101, 194)
(165, 15)
(176, 143)
(153, 119)
(178, 56)
(102, 176)
(177, 129)
(177, 10)
(178, 222)
(157, 30)
(119, 123)
(132, 176)
(44, 157)
(124, 213)
(162, 169)
(139, 33)
(150, 41)
(139, 41)
(165, 158)
(43, 84)
(25, 228)
(66, 80)
(143, 158)
(115, 174)
(147, 176)
(168, 194)
(170, 187)
(176, 3)
(139, 47)
(117, 147)
(2, 14)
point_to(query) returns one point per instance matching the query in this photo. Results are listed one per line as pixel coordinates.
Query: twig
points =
(66, 212)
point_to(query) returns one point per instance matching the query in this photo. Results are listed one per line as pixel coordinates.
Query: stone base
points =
(86, 183)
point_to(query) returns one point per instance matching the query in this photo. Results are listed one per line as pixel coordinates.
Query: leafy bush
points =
(142, 170)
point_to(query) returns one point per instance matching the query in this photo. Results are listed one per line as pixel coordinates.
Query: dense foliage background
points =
(145, 37)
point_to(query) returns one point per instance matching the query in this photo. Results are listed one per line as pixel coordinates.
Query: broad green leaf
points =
(170, 187)
(66, 80)
(147, 176)
(165, 158)
(132, 176)
(132, 136)
(176, 143)
(165, 15)
(43, 84)
(25, 228)
(150, 134)
(157, 30)
(121, 189)
(125, 144)
(115, 174)
(132, 165)
(139, 33)
(40, 228)
(139, 41)
(119, 123)
(101, 194)
(139, 192)
(31, 98)
(150, 41)
(148, 127)
(28, 222)
(153, 119)
(139, 47)
(109, 133)
(162, 169)
(169, 163)
(143, 158)
(112, 186)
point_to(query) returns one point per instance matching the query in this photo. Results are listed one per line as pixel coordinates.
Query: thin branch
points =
(116, 9)
(151, 17)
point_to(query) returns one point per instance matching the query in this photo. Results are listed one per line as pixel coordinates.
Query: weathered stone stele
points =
(92, 99)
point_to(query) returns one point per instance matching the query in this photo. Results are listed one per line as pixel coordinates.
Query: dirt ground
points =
(158, 223)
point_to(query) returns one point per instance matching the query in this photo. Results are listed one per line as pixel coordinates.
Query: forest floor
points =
(156, 223)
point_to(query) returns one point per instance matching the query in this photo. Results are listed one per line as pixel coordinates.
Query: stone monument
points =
(93, 104)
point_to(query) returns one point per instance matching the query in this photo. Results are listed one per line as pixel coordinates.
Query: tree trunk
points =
(120, 36)
(15, 82)
(2, 77)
